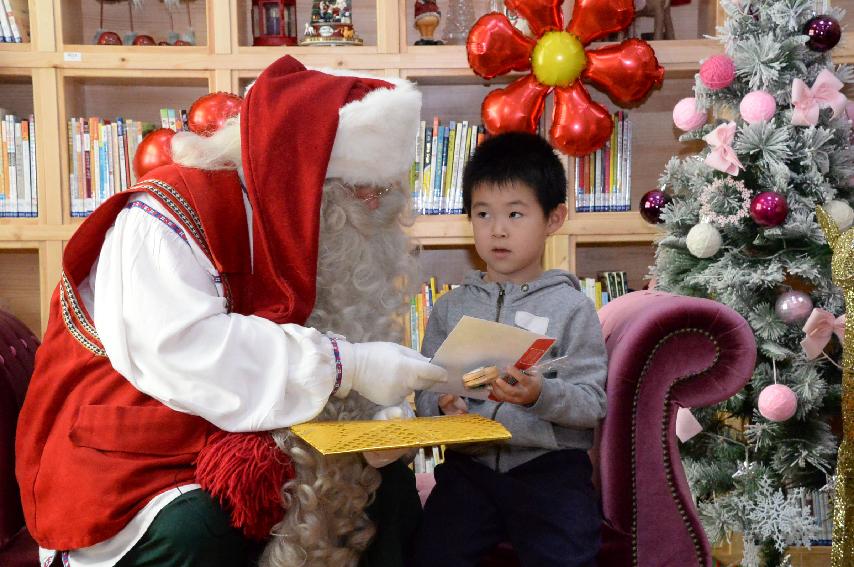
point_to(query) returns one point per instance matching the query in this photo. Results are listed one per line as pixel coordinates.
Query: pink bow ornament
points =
(819, 328)
(823, 94)
(723, 157)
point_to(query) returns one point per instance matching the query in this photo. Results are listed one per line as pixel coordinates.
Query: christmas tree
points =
(741, 229)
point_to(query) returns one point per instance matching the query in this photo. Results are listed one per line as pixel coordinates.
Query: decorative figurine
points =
(427, 16)
(331, 24)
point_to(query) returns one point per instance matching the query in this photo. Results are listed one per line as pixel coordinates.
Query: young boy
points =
(534, 491)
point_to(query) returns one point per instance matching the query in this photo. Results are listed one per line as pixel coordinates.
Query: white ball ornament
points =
(703, 240)
(841, 212)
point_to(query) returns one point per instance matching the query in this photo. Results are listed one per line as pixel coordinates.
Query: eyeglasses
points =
(368, 192)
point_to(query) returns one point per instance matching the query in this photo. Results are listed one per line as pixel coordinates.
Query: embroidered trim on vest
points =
(66, 297)
(161, 217)
(193, 223)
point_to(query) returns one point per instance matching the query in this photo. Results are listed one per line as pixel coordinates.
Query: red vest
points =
(91, 450)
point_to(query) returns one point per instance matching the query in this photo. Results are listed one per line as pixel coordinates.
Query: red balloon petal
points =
(541, 15)
(495, 47)
(580, 125)
(594, 19)
(154, 150)
(516, 108)
(626, 71)
(209, 113)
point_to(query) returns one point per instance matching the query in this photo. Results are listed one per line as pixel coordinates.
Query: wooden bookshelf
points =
(60, 74)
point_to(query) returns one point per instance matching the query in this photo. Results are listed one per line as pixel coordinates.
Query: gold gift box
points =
(338, 437)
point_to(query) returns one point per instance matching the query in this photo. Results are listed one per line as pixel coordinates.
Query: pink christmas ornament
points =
(686, 116)
(777, 402)
(793, 307)
(717, 72)
(757, 107)
(769, 209)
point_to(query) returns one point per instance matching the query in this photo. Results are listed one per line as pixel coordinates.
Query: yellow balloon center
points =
(558, 59)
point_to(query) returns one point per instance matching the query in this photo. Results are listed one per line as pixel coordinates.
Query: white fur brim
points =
(375, 141)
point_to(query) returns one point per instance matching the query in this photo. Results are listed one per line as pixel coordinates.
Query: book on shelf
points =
(821, 507)
(603, 180)
(14, 21)
(436, 176)
(420, 306)
(100, 159)
(18, 173)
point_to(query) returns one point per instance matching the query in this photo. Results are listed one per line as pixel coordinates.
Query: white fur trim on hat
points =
(375, 140)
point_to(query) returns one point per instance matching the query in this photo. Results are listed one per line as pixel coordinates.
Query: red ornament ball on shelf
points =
(769, 209)
(109, 38)
(180, 42)
(717, 72)
(652, 204)
(210, 112)
(154, 150)
(144, 40)
(777, 402)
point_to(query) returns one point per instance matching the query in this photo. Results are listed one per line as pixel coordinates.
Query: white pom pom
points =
(703, 240)
(841, 212)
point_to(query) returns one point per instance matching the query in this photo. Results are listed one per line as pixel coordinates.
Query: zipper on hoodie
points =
(498, 406)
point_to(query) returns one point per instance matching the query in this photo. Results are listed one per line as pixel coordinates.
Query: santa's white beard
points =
(365, 270)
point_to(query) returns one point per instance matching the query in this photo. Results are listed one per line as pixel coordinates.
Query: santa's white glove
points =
(379, 459)
(385, 373)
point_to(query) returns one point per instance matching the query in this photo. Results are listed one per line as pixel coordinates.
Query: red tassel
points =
(245, 472)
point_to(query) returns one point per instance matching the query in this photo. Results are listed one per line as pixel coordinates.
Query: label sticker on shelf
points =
(73, 56)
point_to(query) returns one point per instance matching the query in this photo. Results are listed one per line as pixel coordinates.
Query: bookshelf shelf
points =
(60, 75)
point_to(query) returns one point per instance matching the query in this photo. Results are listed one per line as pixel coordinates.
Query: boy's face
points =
(510, 230)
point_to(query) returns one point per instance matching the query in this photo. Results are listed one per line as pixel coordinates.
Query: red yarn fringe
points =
(245, 472)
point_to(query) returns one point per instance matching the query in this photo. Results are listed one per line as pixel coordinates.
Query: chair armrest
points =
(665, 352)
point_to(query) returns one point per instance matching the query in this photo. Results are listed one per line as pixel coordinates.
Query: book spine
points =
(25, 197)
(627, 202)
(34, 172)
(5, 30)
(11, 201)
(424, 199)
(13, 24)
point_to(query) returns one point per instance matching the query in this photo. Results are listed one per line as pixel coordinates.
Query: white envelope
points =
(474, 343)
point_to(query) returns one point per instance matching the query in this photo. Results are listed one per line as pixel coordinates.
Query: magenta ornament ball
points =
(824, 33)
(717, 72)
(686, 116)
(757, 106)
(652, 204)
(793, 307)
(769, 209)
(777, 402)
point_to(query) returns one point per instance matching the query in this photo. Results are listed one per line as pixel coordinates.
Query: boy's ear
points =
(556, 218)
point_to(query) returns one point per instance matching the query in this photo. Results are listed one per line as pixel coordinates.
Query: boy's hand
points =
(452, 405)
(524, 392)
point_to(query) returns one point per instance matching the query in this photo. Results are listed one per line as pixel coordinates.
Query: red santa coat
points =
(92, 450)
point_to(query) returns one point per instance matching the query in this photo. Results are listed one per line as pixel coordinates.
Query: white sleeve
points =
(164, 326)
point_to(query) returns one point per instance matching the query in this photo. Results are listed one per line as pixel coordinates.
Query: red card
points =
(534, 353)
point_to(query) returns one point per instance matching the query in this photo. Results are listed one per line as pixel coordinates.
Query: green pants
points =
(194, 531)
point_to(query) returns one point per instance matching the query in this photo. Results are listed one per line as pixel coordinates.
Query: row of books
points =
(605, 287)
(420, 306)
(603, 179)
(822, 512)
(175, 119)
(442, 151)
(101, 159)
(18, 174)
(14, 21)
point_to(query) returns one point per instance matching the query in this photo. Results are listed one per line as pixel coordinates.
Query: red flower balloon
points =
(557, 60)
(154, 150)
(209, 113)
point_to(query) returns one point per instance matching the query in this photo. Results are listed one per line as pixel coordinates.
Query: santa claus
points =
(252, 285)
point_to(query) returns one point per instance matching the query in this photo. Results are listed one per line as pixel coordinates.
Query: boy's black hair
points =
(517, 157)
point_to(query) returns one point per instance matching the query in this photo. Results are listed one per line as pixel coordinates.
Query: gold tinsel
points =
(842, 266)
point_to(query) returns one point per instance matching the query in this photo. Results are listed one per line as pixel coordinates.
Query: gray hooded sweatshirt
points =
(572, 401)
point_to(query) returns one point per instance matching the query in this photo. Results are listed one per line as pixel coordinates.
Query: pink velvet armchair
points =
(664, 352)
(17, 353)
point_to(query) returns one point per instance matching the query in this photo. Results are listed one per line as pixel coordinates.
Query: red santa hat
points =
(298, 127)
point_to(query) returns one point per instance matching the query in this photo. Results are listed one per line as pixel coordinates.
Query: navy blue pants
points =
(546, 508)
